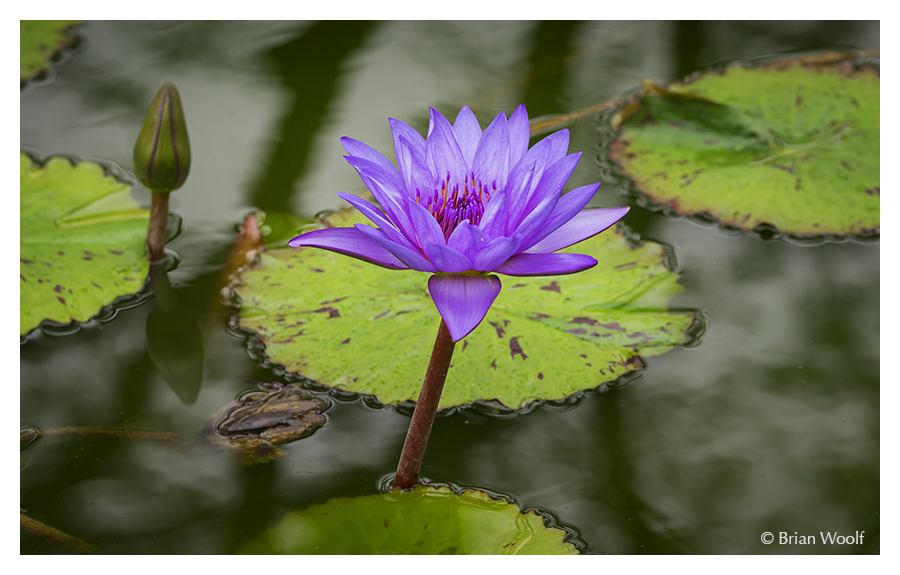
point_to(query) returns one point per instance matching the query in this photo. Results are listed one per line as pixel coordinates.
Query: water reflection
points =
(311, 67)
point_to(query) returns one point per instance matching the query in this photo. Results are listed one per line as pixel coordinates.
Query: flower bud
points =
(162, 153)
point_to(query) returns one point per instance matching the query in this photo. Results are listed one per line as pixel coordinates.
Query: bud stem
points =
(426, 409)
(156, 233)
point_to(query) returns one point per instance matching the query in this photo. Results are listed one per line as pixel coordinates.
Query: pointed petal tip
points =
(463, 300)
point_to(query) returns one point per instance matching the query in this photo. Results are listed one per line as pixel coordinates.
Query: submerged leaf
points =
(370, 330)
(795, 145)
(75, 259)
(424, 521)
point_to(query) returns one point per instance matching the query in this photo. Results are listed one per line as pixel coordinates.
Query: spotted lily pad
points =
(362, 328)
(81, 242)
(424, 521)
(39, 40)
(795, 145)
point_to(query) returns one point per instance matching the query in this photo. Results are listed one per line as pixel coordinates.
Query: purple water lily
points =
(464, 204)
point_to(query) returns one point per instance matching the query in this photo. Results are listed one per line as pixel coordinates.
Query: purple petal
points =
(584, 225)
(559, 145)
(376, 216)
(413, 167)
(546, 264)
(414, 138)
(390, 177)
(446, 259)
(553, 180)
(566, 209)
(493, 222)
(465, 238)
(426, 227)
(536, 219)
(412, 258)
(385, 185)
(519, 133)
(463, 300)
(491, 163)
(350, 242)
(361, 150)
(468, 132)
(494, 253)
(524, 178)
(391, 206)
(442, 151)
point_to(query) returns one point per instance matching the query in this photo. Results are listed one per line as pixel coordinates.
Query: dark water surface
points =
(771, 423)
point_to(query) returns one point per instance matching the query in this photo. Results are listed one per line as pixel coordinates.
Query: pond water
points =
(770, 424)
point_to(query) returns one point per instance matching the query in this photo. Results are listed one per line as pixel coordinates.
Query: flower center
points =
(451, 204)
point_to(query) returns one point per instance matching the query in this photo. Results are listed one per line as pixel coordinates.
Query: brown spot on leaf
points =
(538, 316)
(385, 523)
(846, 165)
(23, 278)
(515, 348)
(551, 287)
(335, 300)
(61, 253)
(317, 270)
(626, 265)
(116, 252)
(519, 285)
(577, 331)
(465, 344)
(346, 341)
(382, 314)
(500, 330)
(540, 375)
(854, 102)
(24, 261)
(87, 258)
(788, 169)
(58, 288)
(798, 101)
(614, 326)
(332, 312)
(494, 364)
(585, 320)
(797, 185)
(711, 142)
(61, 300)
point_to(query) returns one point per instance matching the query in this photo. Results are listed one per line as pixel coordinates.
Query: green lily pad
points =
(795, 145)
(81, 242)
(362, 328)
(39, 40)
(423, 521)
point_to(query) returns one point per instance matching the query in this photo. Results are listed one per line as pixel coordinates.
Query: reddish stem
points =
(156, 232)
(426, 408)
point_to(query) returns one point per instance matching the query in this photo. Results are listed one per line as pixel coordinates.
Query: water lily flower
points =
(465, 204)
